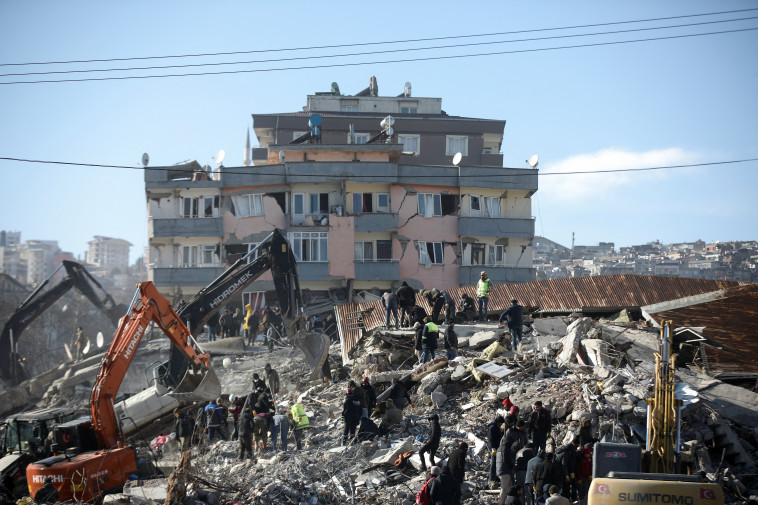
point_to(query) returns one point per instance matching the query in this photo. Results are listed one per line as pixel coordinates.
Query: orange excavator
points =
(91, 456)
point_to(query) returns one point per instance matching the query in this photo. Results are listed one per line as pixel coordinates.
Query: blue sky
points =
(656, 103)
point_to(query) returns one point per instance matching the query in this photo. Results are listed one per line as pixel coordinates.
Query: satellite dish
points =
(388, 121)
(64, 308)
(86, 348)
(457, 158)
(145, 159)
(533, 161)
(99, 340)
(314, 120)
(220, 155)
(281, 156)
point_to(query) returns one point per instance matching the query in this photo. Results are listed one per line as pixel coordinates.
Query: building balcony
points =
(496, 227)
(313, 271)
(376, 222)
(185, 227)
(377, 270)
(192, 276)
(492, 160)
(469, 275)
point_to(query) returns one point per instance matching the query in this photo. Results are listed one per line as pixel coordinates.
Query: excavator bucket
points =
(198, 386)
(315, 346)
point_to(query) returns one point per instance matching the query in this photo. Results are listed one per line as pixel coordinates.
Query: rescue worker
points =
(433, 443)
(449, 306)
(505, 460)
(271, 380)
(483, 294)
(439, 303)
(47, 493)
(585, 433)
(214, 415)
(456, 461)
(418, 329)
(251, 325)
(258, 382)
(398, 394)
(445, 489)
(236, 322)
(567, 456)
(245, 429)
(515, 316)
(522, 460)
(494, 434)
(351, 414)
(389, 302)
(361, 393)
(183, 427)
(406, 299)
(301, 423)
(466, 309)
(279, 426)
(548, 472)
(451, 341)
(530, 495)
(261, 420)
(81, 342)
(539, 426)
(429, 337)
(370, 395)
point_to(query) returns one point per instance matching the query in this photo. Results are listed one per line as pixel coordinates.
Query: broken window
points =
(495, 255)
(363, 202)
(250, 247)
(248, 205)
(208, 252)
(430, 253)
(319, 203)
(429, 205)
(475, 205)
(449, 204)
(281, 199)
(477, 254)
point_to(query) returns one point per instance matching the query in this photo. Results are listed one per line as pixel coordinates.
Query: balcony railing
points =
(386, 221)
(185, 227)
(496, 227)
(192, 276)
(377, 270)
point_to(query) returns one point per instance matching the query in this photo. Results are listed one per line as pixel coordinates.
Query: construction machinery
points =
(617, 468)
(163, 394)
(25, 439)
(11, 367)
(91, 457)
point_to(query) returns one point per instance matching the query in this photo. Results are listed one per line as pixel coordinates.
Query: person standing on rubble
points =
(449, 307)
(515, 316)
(505, 460)
(451, 341)
(530, 494)
(456, 461)
(245, 429)
(418, 330)
(351, 415)
(418, 314)
(585, 433)
(399, 394)
(279, 426)
(226, 323)
(301, 423)
(361, 394)
(494, 434)
(429, 338)
(539, 425)
(548, 472)
(567, 456)
(389, 302)
(431, 445)
(522, 461)
(213, 326)
(236, 322)
(370, 392)
(183, 427)
(406, 299)
(445, 489)
(483, 294)
(251, 325)
(261, 421)
(271, 380)
(214, 415)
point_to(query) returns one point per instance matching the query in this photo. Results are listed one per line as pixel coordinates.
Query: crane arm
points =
(147, 306)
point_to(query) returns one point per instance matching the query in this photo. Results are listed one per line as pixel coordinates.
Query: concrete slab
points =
(735, 403)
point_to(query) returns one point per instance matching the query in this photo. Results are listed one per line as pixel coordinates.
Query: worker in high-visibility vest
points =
(483, 294)
(429, 338)
(301, 423)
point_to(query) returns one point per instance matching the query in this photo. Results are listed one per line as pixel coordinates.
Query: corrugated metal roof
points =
(555, 294)
(730, 321)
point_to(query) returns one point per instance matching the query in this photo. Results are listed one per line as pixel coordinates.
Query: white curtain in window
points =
(241, 206)
(493, 206)
(423, 255)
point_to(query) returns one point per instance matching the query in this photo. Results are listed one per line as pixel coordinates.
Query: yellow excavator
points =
(617, 469)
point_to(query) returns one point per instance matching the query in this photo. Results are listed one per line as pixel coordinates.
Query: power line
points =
(405, 60)
(254, 171)
(336, 46)
(385, 51)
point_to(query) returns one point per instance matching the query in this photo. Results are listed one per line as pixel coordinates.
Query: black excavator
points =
(12, 368)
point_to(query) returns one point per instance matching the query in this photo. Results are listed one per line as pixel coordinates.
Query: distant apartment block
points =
(359, 215)
(108, 254)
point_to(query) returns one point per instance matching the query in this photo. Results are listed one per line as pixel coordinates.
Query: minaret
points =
(246, 161)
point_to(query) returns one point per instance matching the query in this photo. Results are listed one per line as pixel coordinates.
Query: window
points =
(430, 253)
(208, 252)
(495, 255)
(477, 254)
(319, 203)
(253, 256)
(429, 204)
(411, 143)
(493, 206)
(348, 108)
(248, 205)
(456, 144)
(189, 256)
(298, 208)
(363, 202)
(310, 246)
(297, 135)
(408, 110)
(361, 138)
(476, 205)
(190, 207)
(382, 202)
(364, 251)
(383, 250)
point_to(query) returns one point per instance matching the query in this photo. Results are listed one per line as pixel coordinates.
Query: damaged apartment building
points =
(364, 207)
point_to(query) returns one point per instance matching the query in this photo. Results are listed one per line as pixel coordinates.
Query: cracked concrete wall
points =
(413, 227)
(163, 206)
(341, 250)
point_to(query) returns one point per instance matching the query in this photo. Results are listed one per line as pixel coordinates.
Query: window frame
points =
(309, 243)
(361, 248)
(382, 208)
(436, 250)
(450, 145)
(492, 251)
(320, 197)
(489, 206)
(436, 203)
(204, 250)
(189, 256)
(417, 138)
(478, 210)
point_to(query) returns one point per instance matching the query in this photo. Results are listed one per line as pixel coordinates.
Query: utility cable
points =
(369, 53)
(334, 46)
(253, 171)
(405, 60)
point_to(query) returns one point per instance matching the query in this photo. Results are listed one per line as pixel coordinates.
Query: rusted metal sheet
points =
(557, 295)
(730, 322)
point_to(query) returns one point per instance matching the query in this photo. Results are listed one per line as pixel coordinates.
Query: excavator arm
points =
(39, 301)
(147, 306)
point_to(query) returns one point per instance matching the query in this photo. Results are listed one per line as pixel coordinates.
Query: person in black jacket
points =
(431, 445)
(548, 472)
(451, 341)
(567, 456)
(418, 314)
(245, 433)
(515, 316)
(456, 461)
(351, 414)
(439, 302)
(370, 392)
(445, 489)
(494, 434)
(47, 493)
(466, 309)
(183, 427)
(539, 425)
(406, 299)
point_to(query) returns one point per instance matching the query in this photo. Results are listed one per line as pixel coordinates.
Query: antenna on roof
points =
(220, 155)
(407, 90)
(533, 161)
